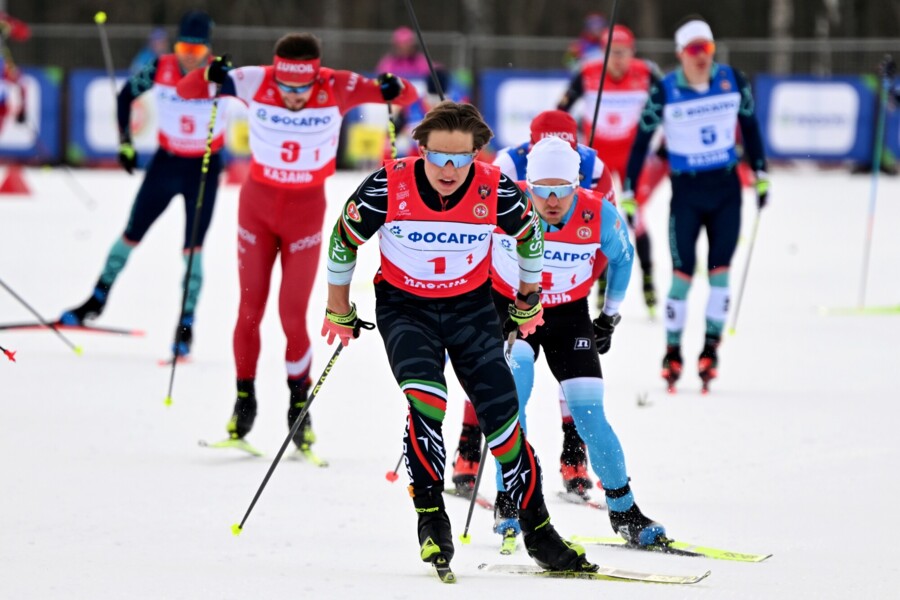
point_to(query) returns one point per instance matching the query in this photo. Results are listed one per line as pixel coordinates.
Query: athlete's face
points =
(446, 178)
(292, 100)
(552, 208)
(191, 56)
(696, 60)
(620, 56)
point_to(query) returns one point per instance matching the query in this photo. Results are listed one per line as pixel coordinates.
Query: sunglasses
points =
(442, 158)
(698, 48)
(294, 89)
(545, 191)
(189, 49)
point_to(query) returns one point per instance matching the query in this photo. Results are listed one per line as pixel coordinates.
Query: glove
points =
(527, 320)
(629, 205)
(762, 189)
(21, 116)
(343, 326)
(390, 85)
(218, 69)
(887, 68)
(127, 155)
(604, 325)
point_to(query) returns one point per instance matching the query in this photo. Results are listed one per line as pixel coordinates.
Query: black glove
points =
(762, 189)
(604, 325)
(390, 85)
(218, 69)
(21, 117)
(127, 155)
(887, 68)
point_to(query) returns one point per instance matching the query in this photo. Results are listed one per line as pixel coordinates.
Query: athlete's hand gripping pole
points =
(42, 320)
(201, 191)
(238, 527)
(465, 538)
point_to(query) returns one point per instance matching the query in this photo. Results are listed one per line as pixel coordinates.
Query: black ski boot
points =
(91, 309)
(634, 526)
(184, 336)
(708, 362)
(573, 462)
(548, 549)
(244, 410)
(304, 438)
(435, 537)
(468, 457)
(672, 366)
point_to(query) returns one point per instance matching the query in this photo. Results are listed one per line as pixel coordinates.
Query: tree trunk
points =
(781, 19)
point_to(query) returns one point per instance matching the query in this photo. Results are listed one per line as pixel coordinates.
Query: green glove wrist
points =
(345, 320)
(520, 316)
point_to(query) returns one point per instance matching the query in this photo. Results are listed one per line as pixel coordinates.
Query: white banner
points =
(519, 101)
(808, 117)
(21, 136)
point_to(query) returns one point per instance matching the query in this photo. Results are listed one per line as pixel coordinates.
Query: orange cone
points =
(14, 183)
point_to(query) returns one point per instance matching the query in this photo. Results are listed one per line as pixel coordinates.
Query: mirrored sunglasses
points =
(698, 48)
(189, 49)
(442, 158)
(294, 89)
(545, 191)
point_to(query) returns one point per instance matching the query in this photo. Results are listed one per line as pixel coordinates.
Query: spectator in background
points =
(588, 46)
(157, 45)
(405, 59)
(11, 29)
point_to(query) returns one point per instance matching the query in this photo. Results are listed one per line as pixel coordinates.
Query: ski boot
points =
(435, 537)
(91, 309)
(184, 335)
(573, 463)
(548, 549)
(635, 528)
(506, 522)
(671, 366)
(304, 438)
(244, 410)
(468, 457)
(650, 295)
(708, 362)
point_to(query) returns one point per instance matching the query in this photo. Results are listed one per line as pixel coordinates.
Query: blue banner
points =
(511, 98)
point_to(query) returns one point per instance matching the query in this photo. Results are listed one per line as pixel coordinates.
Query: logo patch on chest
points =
(480, 210)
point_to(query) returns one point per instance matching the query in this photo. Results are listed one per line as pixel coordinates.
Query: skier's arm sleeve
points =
(753, 144)
(352, 89)
(617, 248)
(650, 119)
(194, 86)
(505, 163)
(361, 217)
(516, 217)
(573, 93)
(136, 85)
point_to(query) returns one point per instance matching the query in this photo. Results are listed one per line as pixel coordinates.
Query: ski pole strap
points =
(523, 315)
(345, 320)
(618, 493)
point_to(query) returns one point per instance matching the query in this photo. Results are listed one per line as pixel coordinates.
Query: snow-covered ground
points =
(106, 493)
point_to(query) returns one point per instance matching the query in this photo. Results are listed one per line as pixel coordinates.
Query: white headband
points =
(692, 30)
(553, 158)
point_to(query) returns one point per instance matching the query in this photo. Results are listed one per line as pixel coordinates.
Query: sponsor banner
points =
(510, 99)
(38, 137)
(815, 117)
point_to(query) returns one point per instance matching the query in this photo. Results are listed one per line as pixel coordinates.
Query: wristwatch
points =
(531, 299)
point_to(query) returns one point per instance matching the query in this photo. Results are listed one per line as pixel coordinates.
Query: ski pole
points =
(237, 528)
(876, 167)
(100, 19)
(392, 475)
(609, 37)
(737, 306)
(76, 349)
(465, 538)
(392, 132)
(10, 354)
(204, 169)
(434, 77)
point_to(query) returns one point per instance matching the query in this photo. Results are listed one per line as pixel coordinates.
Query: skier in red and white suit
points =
(627, 87)
(295, 111)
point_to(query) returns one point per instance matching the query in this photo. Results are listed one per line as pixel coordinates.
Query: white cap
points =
(553, 158)
(690, 31)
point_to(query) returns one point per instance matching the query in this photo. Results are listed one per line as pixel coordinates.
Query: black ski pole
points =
(76, 349)
(100, 20)
(238, 527)
(465, 538)
(10, 354)
(434, 77)
(740, 296)
(204, 169)
(609, 37)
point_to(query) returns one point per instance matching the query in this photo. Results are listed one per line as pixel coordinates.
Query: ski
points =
(307, 455)
(509, 543)
(675, 547)
(32, 326)
(442, 569)
(603, 574)
(238, 444)
(582, 500)
(479, 499)
(181, 360)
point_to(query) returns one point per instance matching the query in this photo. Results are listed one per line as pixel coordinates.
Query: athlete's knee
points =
(426, 398)
(584, 394)
(681, 285)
